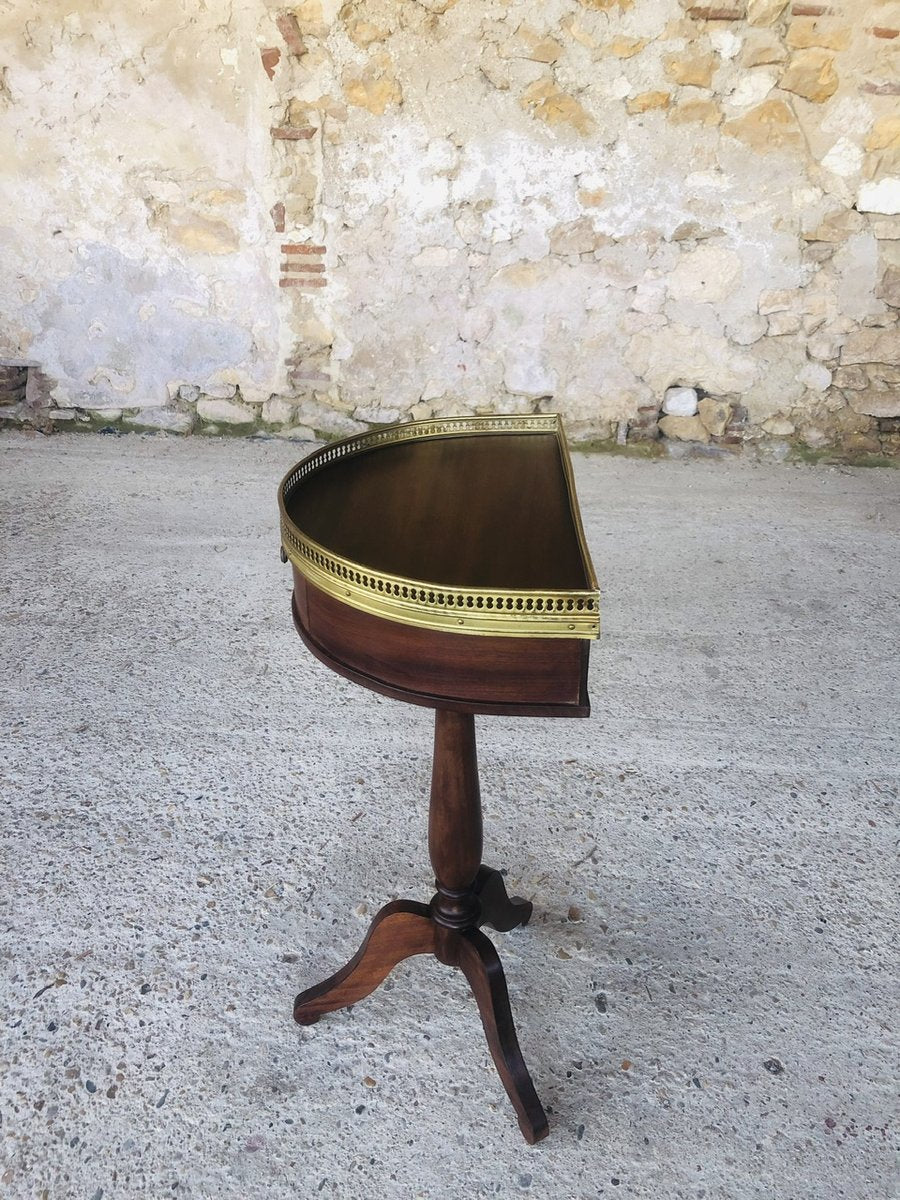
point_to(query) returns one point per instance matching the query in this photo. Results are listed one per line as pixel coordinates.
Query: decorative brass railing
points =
(504, 612)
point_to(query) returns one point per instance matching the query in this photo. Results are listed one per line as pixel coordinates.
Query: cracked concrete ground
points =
(198, 820)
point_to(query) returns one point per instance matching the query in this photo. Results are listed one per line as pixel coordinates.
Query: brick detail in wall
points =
(289, 29)
(735, 11)
(292, 133)
(717, 12)
(302, 248)
(738, 12)
(277, 214)
(271, 57)
(302, 266)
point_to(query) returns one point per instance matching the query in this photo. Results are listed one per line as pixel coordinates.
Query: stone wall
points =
(664, 219)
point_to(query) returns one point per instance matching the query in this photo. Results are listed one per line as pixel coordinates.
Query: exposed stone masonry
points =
(315, 218)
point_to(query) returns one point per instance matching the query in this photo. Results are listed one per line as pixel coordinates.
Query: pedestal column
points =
(454, 821)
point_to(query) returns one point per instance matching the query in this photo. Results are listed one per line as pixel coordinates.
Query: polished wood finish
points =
(468, 894)
(401, 929)
(454, 820)
(486, 511)
(404, 928)
(480, 963)
(489, 511)
(543, 677)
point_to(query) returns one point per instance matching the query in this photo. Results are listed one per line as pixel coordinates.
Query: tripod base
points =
(404, 928)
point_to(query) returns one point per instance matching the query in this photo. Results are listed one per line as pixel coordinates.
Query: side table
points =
(443, 563)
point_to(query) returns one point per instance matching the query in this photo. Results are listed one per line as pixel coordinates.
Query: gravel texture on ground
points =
(199, 819)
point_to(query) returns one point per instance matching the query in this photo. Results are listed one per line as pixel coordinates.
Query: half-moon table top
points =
(466, 524)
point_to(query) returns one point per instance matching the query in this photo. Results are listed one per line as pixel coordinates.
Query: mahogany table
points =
(443, 563)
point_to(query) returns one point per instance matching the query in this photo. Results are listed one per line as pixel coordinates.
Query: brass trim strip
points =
(496, 612)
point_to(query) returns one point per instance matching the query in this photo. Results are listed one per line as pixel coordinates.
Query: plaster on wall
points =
(328, 216)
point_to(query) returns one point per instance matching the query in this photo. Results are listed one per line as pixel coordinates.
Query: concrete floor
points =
(199, 819)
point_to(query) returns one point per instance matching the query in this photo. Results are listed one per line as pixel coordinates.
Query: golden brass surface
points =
(502, 612)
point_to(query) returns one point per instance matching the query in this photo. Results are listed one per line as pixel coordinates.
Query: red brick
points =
(809, 10)
(297, 248)
(290, 31)
(716, 13)
(881, 32)
(271, 57)
(277, 214)
(309, 268)
(292, 133)
(299, 281)
(881, 89)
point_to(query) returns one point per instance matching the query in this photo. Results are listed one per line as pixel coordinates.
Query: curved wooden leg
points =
(401, 929)
(498, 908)
(476, 957)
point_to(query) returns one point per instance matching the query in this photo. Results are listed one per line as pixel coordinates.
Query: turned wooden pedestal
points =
(468, 895)
(443, 564)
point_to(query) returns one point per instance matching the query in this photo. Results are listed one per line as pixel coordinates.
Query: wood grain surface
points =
(487, 511)
(545, 677)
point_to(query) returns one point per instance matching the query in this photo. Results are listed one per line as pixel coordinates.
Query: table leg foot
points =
(478, 960)
(498, 909)
(401, 929)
